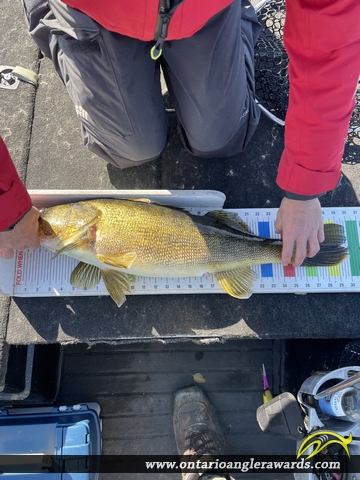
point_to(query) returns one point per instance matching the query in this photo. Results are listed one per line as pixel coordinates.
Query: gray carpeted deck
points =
(135, 386)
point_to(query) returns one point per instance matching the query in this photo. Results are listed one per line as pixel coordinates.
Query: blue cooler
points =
(53, 443)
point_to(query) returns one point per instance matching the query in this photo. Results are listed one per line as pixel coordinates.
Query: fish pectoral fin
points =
(83, 236)
(124, 260)
(237, 283)
(115, 283)
(85, 276)
(72, 246)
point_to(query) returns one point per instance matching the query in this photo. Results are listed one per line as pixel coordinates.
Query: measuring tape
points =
(34, 273)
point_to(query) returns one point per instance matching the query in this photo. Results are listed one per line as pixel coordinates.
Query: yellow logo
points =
(321, 440)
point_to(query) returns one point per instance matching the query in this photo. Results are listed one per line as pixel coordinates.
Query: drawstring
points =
(156, 50)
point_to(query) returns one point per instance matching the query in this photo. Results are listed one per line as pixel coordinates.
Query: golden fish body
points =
(116, 237)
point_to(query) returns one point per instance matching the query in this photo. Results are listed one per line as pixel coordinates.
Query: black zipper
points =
(164, 6)
(162, 25)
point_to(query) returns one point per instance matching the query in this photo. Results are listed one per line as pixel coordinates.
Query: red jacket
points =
(14, 198)
(322, 38)
(139, 18)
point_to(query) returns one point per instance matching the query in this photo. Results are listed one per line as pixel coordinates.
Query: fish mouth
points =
(45, 229)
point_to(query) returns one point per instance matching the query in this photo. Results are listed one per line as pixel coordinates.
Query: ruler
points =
(34, 273)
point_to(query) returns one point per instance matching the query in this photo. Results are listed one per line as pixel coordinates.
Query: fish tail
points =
(331, 253)
(334, 234)
(328, 256)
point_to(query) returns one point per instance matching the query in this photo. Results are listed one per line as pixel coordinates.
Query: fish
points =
(114, 239)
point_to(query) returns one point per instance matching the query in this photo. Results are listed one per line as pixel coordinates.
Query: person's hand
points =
(302, 227)
(23, 235)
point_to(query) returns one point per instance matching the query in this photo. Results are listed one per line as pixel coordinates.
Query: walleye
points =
(113, 238)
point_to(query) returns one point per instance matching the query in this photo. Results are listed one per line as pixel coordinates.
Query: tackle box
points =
(51, 443)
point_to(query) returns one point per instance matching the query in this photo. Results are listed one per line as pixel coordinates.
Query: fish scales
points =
(166, 237)
(155, 239)
(112, 238)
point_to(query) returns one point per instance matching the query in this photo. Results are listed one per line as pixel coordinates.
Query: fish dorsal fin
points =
(237, 283)
(139, 199)
(116, 283)
(85, 276)
(230, 219)
(124, 260)
(153, 203)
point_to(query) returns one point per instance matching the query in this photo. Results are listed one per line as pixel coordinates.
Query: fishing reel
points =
(330, 445)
